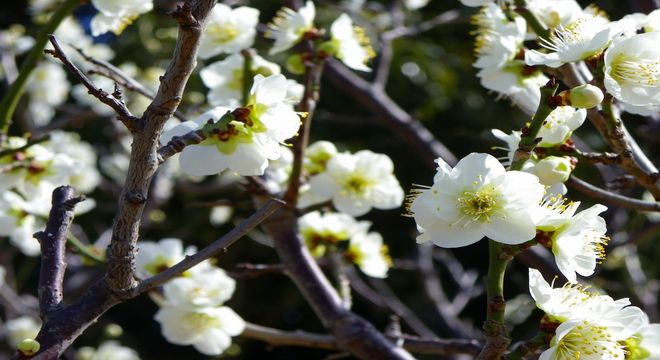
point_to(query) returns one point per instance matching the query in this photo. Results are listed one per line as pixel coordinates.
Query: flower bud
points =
(28, 347)
(295, 64)
(553, 169)
(113, 331)
(585, 96)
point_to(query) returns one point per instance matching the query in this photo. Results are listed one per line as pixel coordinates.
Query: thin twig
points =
(28, 144)
(53, 249)
(313, 71)
(433, 288)
(610, 197)
(420, 345)
(212, 249)
(112, 100)
(115, 74)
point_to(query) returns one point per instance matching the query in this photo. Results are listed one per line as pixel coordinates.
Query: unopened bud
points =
(553, 169)
(113, 331)
(295, 64)
(582, 97)
(28, 347)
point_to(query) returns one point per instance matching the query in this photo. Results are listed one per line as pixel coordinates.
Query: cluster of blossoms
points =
(587, 325)
(327, 233)
(630, 70)
(480, 198)
(191, 306)
(28, 177)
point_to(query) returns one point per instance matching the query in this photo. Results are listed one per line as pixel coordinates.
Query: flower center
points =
(588, 341)
(642, 72)
(481, 204)
(634, 350)
(201, 321)
(223, 33)
(159, 265)
(356, 184)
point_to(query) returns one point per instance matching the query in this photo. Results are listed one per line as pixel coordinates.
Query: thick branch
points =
(144, 158)
(353, 333)
(53, 249)
(393, 116)
(115, 102)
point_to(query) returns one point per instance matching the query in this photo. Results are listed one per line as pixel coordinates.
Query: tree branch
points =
(431, 346)
(113, 100)
(211, 250)
(144, 158)
(53, 249)
(353, 333)
(106, 69)
(307, 105)
(610, 197)
(392, 116)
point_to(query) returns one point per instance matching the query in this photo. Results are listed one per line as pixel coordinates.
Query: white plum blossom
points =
(357, 182)
(572, 302)
(155, 257)
(250, 140)
(415, 4)
(289, 26)
(560, 124)
(317, 156)
(498, 39)
(645, 344)
(584, 340)
(582, 39)
(319, 231)
(81, 171)
(192, 312)
(209, 287)
(228, 30)
(14, 39)
(474, 3)
(369, 253)
(516, 80)
(576, 240)
(21, 218)
(350, 44)
(225, 78)
(554, 13)
(208, 329)
(23, 327)
(477, 198)
(116, 15)
(108, 350)
(632, 70)
(71, 33)
(47, 88)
